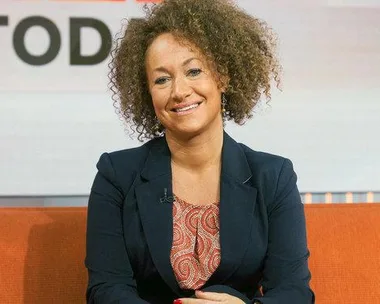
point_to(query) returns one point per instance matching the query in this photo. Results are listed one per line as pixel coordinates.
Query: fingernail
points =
(177, 301)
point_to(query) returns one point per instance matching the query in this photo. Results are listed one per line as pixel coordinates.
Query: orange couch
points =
(41, 255)
(42, 252)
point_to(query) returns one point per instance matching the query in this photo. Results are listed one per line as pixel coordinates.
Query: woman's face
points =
(185, 94)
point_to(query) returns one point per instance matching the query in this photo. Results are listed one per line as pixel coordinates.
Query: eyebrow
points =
(187, 61)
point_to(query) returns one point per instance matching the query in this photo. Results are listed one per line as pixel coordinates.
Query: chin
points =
(192, 131)
(185, 130)
(193, 127)
(189, 132)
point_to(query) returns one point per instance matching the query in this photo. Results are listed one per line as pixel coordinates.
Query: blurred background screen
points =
(57, 116)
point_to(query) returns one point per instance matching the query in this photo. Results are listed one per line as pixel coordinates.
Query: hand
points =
(210, 298)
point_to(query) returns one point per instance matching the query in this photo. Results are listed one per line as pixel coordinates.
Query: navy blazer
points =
(262, 229)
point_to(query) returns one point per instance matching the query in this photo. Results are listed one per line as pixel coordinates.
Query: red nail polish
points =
(177, 301)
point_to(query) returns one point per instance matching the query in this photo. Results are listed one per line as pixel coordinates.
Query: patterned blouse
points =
(195, 253)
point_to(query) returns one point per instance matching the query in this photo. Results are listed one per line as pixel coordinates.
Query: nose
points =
(180, 89)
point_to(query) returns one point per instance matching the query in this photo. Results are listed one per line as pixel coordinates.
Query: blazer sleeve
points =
(109, 270)
(286, 274)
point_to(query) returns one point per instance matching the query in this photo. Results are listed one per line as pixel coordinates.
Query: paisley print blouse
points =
(195, 253)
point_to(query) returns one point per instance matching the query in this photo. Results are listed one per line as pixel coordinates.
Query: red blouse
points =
(195, 253)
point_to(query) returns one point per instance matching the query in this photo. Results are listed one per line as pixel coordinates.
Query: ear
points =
(224, 81)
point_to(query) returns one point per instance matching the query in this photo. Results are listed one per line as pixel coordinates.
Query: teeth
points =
(187, 108)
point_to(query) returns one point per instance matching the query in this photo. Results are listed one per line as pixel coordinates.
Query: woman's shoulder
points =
(129, 154)
(257, 160)
(272, 174)
(267, 167)
(122, 166)
(126, 160)
(264, 160)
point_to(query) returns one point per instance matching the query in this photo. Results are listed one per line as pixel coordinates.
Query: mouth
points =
(187, 108)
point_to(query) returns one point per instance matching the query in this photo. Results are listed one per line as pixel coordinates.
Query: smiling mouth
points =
(193, 106)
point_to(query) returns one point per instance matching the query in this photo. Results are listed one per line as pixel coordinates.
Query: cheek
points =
(215, 96)
(159, 101)
(210, 89)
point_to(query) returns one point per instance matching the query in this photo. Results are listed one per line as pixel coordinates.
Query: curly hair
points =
(241, 48)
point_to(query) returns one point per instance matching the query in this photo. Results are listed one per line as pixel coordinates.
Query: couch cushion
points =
(43, 249)
(344, 241)
(42, 255)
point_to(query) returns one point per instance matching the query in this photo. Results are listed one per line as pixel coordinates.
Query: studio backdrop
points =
(57, 117)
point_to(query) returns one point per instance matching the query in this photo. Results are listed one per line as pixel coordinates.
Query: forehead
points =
(167, 49)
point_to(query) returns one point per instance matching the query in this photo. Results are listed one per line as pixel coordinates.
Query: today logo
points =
(75, 26)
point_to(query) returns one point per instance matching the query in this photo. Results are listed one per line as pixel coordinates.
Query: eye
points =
(161, 80)
(194, 72)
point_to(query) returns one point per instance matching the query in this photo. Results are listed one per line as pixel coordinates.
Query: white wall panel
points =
(56, 119)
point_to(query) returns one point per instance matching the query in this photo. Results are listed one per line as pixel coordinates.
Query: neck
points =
(197, 153)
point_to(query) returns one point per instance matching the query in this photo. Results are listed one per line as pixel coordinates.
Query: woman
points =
(192, 216)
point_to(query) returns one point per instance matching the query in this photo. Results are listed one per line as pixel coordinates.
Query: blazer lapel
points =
(237, 203)
(155, 206)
